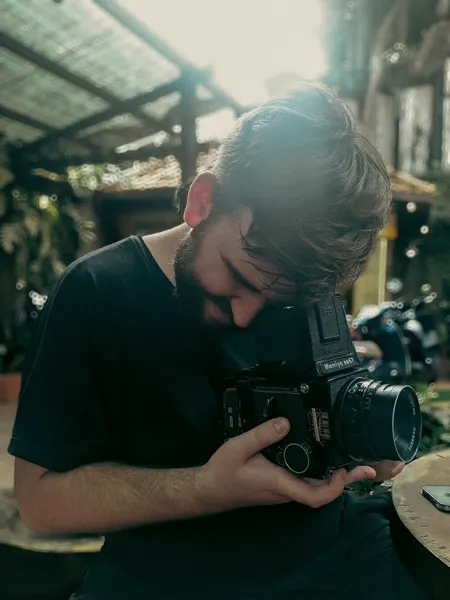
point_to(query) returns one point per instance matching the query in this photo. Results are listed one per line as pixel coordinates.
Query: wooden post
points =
(437, 135)
(403, 22)
(188, 110)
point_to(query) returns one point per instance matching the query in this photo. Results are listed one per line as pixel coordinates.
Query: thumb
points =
(360, 473)
(251, 442)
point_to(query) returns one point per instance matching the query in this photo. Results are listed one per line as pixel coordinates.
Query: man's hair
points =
(318, 190)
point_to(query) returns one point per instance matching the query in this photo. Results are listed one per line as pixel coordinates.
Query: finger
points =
(356, 474)
(360, 473)
(387, 469)
(333, 488)
(250, 443)
(390, 464)
(313, 494)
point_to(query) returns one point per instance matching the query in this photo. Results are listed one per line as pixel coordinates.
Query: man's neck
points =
(163, 246)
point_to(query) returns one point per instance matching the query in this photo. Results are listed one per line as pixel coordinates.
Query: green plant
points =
(40, 234)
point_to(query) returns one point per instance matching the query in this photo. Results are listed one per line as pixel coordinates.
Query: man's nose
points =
(245, 308)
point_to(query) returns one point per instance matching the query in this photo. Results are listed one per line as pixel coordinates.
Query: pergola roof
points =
(80, 78)
(407, 188)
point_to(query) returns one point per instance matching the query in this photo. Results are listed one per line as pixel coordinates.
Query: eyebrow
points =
(239, 277)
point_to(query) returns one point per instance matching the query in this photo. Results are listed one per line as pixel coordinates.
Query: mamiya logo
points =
(337, 365)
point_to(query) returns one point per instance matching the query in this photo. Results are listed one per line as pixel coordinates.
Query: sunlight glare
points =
(245, 42)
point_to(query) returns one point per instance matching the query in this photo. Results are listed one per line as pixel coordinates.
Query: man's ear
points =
(200, 199)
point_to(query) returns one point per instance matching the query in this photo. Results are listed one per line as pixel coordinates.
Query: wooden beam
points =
(403, 22)
(376, 72)
(142, 154)
(418, 199)
(188, 108)
(437, 135)
(151, 39)
(54, 68)
(394, 78)
(13, 115)
(397, 123)
(25, 120)
(204, 107)
(122, 107)
(141, 31)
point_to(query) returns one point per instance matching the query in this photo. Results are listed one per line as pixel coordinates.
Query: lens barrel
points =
(379, 421)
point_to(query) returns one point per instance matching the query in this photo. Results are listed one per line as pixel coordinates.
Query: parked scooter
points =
(377, 324)
(425, 347)
(407, 336)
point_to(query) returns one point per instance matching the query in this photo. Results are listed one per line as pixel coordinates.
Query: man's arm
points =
(105, 497)
(63, 425)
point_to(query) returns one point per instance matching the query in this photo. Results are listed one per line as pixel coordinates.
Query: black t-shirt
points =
(116, 373)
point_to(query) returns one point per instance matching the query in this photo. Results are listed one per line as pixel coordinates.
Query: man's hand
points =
(237, 475)
(386, 469)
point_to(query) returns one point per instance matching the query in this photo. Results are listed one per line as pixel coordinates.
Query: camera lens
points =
(380, 421)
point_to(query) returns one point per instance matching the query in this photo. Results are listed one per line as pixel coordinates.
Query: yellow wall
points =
(370, 287)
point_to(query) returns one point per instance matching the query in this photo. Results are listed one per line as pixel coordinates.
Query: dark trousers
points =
(384, 559)
(364, 562)
(375, 562)
(372, 557)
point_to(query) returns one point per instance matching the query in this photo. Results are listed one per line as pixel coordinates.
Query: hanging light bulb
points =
(424, 229)
(411, 207)
(411, 252)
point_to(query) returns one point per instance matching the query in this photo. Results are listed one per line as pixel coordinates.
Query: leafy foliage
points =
(39, 236)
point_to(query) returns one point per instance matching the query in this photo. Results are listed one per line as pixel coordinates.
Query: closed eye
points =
(271, 302)
(239, 278)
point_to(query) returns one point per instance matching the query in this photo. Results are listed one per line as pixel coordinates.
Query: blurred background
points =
(107, 106)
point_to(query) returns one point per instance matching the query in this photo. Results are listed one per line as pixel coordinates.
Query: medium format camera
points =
(302, 365)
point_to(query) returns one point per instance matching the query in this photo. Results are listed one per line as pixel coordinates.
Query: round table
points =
(429, 526)
(37, 565)
(14, 532)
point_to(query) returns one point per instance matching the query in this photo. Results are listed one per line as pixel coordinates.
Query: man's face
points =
(216, 281)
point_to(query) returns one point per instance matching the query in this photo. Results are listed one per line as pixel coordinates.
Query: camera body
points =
(302, 365)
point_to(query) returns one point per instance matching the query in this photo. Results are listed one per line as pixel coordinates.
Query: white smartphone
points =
(438, 495)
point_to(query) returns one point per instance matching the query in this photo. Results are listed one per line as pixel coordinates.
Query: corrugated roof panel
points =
(14, 131)
(161, 107)
(42, 96)
(121, 122)
(85, 40)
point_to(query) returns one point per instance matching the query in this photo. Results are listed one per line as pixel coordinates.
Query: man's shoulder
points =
(108, 276)
(122, 280)
(111, 259)
(117, 265)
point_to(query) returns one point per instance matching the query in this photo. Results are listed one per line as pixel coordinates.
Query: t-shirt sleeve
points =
(61, 421)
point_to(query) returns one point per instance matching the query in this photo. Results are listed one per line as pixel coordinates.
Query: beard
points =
(190, 293)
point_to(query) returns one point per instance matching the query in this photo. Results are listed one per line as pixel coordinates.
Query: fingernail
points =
(280, 425)
(367, 474)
